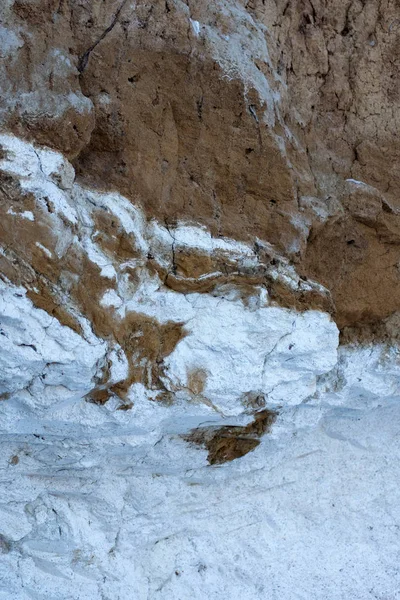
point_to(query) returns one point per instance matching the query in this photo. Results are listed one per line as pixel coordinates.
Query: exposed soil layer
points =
(260, 120)
(229, 442)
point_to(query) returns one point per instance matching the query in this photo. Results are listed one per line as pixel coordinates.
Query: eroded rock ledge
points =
(198, 202)
(258, 120)
(167, 307)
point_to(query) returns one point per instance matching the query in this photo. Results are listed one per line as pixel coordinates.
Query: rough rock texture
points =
(197, 201)
(250, 118)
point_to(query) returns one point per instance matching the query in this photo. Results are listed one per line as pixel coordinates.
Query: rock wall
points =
(254, 119)
(197, 202)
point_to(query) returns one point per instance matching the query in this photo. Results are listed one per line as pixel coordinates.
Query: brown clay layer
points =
(230, 442)
(257, 148)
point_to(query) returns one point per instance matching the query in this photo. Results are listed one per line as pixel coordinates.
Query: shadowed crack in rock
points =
(83, 61)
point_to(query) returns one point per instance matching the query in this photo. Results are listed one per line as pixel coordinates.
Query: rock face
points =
(197, 199)
(256, 119)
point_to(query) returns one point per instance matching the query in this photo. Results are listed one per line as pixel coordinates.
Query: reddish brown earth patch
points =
(230, 442)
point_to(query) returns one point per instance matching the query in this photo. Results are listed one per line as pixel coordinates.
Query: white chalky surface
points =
(98, 503)
(116, 506)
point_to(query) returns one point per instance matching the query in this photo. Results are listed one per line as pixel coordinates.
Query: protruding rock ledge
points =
(156, 294)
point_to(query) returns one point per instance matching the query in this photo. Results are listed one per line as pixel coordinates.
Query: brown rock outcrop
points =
(228, 443)
(245, 117)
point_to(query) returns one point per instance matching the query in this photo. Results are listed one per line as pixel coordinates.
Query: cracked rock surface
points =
(199, 299)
